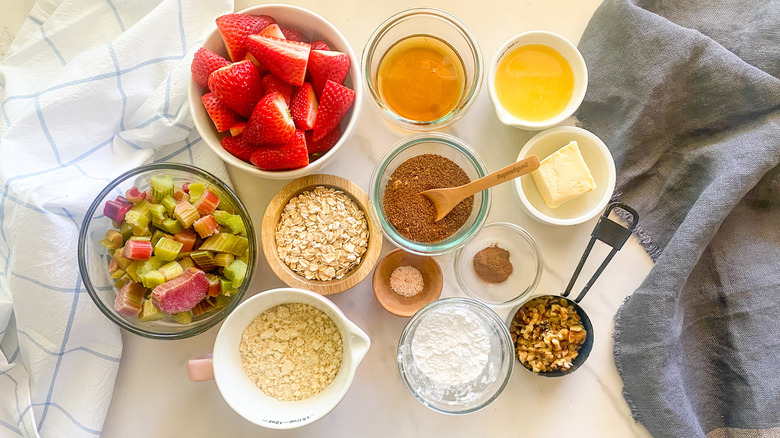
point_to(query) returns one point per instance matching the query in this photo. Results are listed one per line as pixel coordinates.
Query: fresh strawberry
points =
(238, 146)
(319, 45)
(271, 123)
(223, 117)
(290, 155)
(272, 83)
(304, 107)
(286, 59)
(326, 65)
(294, 35)
(234, 29)
(203, 63)
(260, 67)
(237, 86)
(273, 31)
(238, 128)
(325, 143)
(335, 102)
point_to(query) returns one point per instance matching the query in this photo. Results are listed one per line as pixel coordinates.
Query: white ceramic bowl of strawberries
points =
(249, 67)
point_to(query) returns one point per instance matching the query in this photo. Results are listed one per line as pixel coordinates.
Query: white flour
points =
(451, 347)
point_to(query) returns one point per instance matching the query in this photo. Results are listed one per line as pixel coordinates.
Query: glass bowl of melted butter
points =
(423, 69)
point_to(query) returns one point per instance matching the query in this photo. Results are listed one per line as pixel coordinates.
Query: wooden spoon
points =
(446, 199)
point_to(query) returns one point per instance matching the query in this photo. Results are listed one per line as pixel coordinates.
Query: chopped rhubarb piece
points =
(204, 260)
(186, 263)
(171, 226)
(235, 272)
(202, 307)
(182, 317)
(121, 261)
(185, 213)
(152, 279)
(223, 259)
(149, 312)
(167, 249)
(180, 195)
(138, 250)
(116, 209)
(187, 238)
(112, 240)
(128, 300)
(182, 293)
(195, 190)
(134, 195)
(207, 203)
(214, 287)
(169, 203)
(171, 270)
(206, 226)
(225, 242)
(162, 186)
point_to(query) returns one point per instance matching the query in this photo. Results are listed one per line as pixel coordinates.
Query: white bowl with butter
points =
(572, 198)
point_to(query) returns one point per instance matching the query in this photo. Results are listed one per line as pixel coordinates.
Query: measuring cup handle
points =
(609, 232)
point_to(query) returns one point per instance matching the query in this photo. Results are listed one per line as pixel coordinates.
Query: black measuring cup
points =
(614, 235)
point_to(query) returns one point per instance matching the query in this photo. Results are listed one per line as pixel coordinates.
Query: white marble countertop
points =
(154, 398)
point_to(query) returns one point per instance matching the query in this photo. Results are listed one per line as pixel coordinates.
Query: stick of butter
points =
(563, 176)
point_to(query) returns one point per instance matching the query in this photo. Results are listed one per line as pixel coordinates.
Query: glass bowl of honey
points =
(537, 80)
(423, 69)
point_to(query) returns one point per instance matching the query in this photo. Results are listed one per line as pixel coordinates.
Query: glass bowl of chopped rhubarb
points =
(275, 91)
(166, 251)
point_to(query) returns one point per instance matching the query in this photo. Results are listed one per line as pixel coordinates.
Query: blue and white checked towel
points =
(89, 89)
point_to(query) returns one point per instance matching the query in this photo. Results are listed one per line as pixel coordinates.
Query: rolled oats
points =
(322, 234)
(547, 333)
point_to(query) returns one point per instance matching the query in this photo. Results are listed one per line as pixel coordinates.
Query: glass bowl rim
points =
(490, 316)
(215, 318)
(527, 238)
(470, 95)
(389, 230)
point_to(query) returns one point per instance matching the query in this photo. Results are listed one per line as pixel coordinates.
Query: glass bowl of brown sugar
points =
(501, 266)
(419, 163)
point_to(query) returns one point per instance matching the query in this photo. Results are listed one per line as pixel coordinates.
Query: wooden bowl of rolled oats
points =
(318, 234)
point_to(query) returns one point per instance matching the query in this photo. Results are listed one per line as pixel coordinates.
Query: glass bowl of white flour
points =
(455, 355)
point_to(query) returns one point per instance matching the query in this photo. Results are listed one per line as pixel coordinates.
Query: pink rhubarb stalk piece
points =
(207, 203)
(138, 250)
(215, 287)
(134, 195)
(182, 293)
(187, 238)
(128, 300)
(116, 209)
(206, 226)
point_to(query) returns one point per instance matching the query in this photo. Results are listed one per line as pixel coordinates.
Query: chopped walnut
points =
(547, 333)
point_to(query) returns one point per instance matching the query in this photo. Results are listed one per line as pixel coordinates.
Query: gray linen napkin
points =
(686, 95)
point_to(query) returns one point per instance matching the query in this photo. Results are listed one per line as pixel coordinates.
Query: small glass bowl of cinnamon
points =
(501, 266)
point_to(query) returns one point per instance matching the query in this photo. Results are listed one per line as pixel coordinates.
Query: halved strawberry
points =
(238, 146)
(234, 29)
(203, 63)
(304, 107)
(260, 67)
(238, 86)
(223, 117)
(286, 59)
(327, 65)
(319, 45)
(291, 155)
(271, 123)
(294, 35)
(325, 143)
(272, 83)
(335, 102)
(273, 31)
(238, 128)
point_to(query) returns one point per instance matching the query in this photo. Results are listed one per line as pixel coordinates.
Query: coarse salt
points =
(406, 281)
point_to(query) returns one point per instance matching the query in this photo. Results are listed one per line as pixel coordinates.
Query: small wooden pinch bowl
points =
(274, 212)
(400, 305)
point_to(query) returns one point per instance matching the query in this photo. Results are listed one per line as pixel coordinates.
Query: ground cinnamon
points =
(492, 264)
